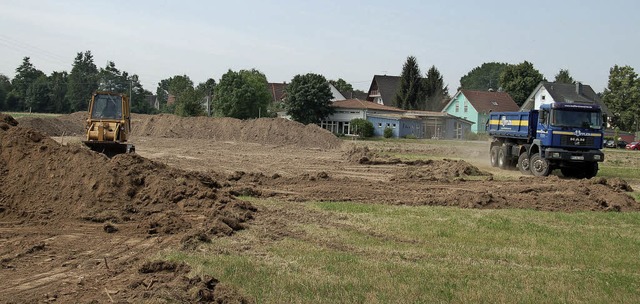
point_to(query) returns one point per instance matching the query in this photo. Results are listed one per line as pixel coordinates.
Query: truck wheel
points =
(570, 172)
(590, 170)
(538, 165)
(494, 156)
(503, 162)
(523, 164)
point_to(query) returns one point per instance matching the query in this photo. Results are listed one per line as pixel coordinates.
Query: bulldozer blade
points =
(110, 149)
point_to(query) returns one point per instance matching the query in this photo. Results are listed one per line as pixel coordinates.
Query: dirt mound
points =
(269, 131)
(433, 170)
(81, 184)
(169, 281)
(67, 125)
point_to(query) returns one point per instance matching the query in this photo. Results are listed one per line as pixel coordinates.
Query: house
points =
(383, 89)
(421, 124)
(277, 91)
(346, 110)
(550, 92)
(475, 106)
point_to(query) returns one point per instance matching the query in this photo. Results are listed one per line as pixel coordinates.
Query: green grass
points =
(27, 114)
(367, 253)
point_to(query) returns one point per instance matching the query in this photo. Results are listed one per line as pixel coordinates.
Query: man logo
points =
(505, 122)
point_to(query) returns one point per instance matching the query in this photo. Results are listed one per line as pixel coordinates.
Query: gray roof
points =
(387, 86)
(566, 92)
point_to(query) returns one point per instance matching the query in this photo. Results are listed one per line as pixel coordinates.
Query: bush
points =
(410, 136)
(361, 127)
(388, 132)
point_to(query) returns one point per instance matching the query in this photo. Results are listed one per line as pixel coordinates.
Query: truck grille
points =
(577, 141)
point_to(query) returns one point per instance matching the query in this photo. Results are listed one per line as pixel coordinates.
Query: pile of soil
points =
(268, 131)
(433, 170)
(57, 188)
(79, 183)
(64, 125)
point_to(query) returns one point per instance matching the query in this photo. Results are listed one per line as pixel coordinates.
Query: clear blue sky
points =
(352, 40)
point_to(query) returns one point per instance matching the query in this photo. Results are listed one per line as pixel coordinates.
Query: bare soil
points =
(76, 226)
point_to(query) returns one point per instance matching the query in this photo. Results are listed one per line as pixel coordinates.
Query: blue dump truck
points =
(565, 136)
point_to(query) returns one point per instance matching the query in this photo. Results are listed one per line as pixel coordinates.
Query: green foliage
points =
(484, 77)
(188, 103)
(242, 95)
(411, 91)
(341, 85)
(361, 127)
(82, 82)
(309, 98)
(410, 136)
(622, 96)
(37, 97)
(58, 84)
(520, 80)
(388, 132)
(563, 76)
(26, 75)
(435, 91)
(5, 89)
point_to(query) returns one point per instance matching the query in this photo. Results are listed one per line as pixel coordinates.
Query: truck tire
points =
(494, 156)
(503, 161)
(590, 170)
(538, 165)
(523, 164)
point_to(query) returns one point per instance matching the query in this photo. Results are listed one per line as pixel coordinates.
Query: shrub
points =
(388, 132)
(410, 136)
(361, 127)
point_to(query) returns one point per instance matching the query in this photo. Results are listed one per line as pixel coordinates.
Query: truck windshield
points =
(107, 106)
(576, 119)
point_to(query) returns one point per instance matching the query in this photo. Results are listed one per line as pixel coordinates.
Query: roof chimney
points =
(579, 87)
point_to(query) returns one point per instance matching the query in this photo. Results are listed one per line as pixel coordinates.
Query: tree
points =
(361, 127)
(242, 95)
(435, 90)
(411, 90)
(483, 77)
(26, 75)
(5, 88)
(37, 97)
(57, 92)
(181, 88)
(341, 85)
(82, 82)
(622, 97)
(563, 76)
(188, 103)
(308, 98)
(520, 80)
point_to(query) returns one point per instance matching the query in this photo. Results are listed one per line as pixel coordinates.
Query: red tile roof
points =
(485, 101)
(277, 91)
(363, 104)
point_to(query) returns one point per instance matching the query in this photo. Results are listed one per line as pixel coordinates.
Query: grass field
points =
(390, 254)
(27, 114)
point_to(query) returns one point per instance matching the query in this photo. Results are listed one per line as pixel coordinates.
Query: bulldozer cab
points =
(106, 106)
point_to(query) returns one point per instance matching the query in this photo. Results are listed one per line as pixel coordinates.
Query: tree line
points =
(245, 94)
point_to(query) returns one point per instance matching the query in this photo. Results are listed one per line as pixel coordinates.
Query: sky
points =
(352, 40)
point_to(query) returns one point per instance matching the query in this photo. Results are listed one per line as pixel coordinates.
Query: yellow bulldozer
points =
(109, 124)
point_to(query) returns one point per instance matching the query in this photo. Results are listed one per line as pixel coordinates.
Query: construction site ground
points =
(76, 226)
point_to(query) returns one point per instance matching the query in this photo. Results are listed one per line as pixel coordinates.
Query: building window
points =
(494, 103)
(466, 108)
(394, 126)
(457, 108)
(379, 125)
(543, 97)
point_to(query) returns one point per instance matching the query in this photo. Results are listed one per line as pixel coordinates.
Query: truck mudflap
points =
(110, 148)
(575, 156)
